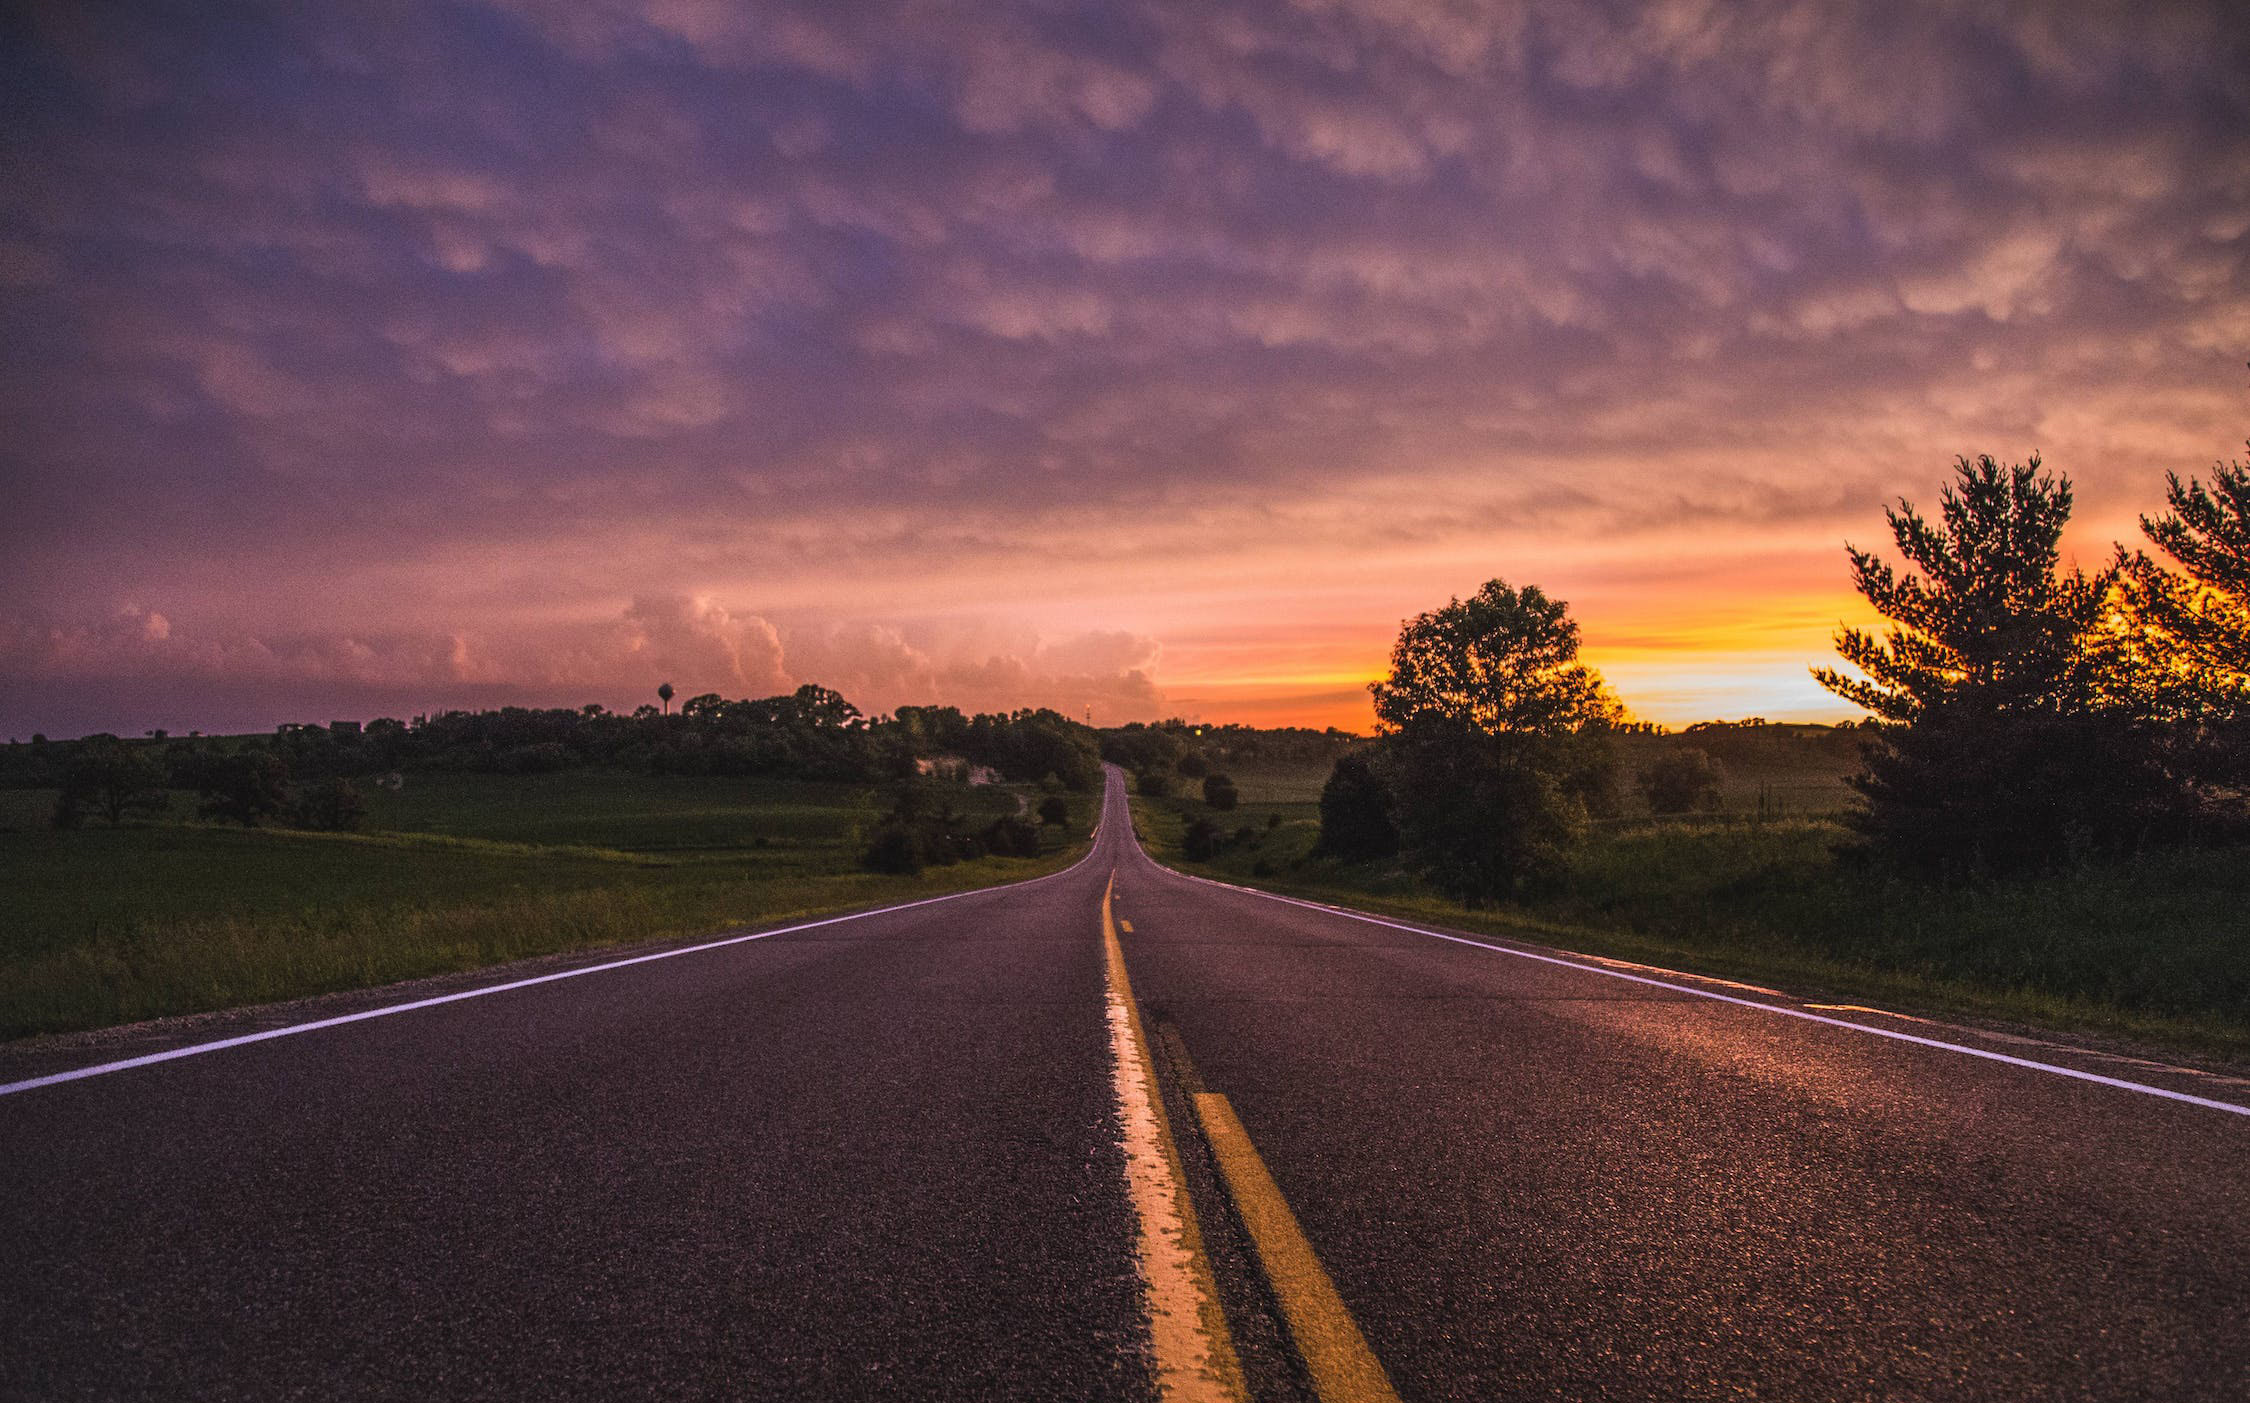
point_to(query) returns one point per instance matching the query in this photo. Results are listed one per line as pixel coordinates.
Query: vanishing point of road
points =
(1117, 1133)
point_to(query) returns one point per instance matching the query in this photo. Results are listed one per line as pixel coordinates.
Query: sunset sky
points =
(1150, 359)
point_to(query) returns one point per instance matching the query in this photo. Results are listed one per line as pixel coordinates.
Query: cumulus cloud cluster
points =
(322, 321)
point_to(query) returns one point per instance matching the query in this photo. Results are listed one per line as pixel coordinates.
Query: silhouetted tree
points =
(2195, 624)
(1219, 792)
(112, 778)
(1500, 662)
(1357, 817)
(1996, 749)
(1494, 737)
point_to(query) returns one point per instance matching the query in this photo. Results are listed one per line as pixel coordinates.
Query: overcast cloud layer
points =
(1132, 357)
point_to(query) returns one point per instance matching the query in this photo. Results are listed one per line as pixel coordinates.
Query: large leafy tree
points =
(1502, 661)
(1493, 741)
(115, 778)
(1998, 748)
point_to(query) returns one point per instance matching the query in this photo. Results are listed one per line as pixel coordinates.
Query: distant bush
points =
(334, 806)
(248, 787)
(1152, 783)
(1055, 811)
(1201, 842)
(1192, 765)
(1682, 781)
(1012, 836)
(895, 848)
(1219, 792)
(1357, 818)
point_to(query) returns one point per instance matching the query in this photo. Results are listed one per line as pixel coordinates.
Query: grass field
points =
(2156, 952)
(103, 926)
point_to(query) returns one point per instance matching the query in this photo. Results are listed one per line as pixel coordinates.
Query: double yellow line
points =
(1194, 1351)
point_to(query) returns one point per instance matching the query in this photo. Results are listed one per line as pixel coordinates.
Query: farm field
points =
(451, 872)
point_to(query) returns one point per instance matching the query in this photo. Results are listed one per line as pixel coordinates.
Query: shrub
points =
(333, 807)
(1201, 842)
(1192, 765)
(1011, 836)
(1152, 783)
(1357, 818)
(248, 788)
(1055, 811)
(1682, 781)
(1219, 792)
(893, 847)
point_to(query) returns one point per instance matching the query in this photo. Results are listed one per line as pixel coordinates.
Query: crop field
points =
(454, 871)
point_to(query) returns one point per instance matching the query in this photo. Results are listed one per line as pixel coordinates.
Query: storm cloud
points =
(529, 350)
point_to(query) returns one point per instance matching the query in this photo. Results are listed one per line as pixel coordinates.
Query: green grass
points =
(103, 926)
(2156, 952)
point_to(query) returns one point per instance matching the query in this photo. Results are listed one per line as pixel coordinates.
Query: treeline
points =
(314, 774)
(2024, 715)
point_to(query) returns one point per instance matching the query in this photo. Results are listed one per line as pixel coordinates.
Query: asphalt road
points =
(880, 1158)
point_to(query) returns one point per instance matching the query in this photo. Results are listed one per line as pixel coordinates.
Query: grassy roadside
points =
(103, 926)
(2155, 955)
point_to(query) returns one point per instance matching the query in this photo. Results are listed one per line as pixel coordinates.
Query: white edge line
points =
(197, 1049)
(2056, 1069)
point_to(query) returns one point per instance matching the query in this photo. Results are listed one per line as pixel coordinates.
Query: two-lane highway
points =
(929, 1153)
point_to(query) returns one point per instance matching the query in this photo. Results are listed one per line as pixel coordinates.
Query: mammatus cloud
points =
(329, 333)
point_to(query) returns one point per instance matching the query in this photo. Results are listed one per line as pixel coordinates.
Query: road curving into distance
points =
(902, 1155)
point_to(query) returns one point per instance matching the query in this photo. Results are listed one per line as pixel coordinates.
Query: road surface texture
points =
(912, 1155)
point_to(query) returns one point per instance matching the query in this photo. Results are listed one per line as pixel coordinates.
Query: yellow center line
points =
(1125, 926)
(1193, 1351)
(1343, 1368)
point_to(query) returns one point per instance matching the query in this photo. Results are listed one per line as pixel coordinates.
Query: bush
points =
(1152, 783)
(1192, 765)
(1201, 842)
(1011, 836)
(1357, 818)
(1055, 811)
(893, 847)
(334, 807)
(1219, 792)
(1682, 781)
(248, 788)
